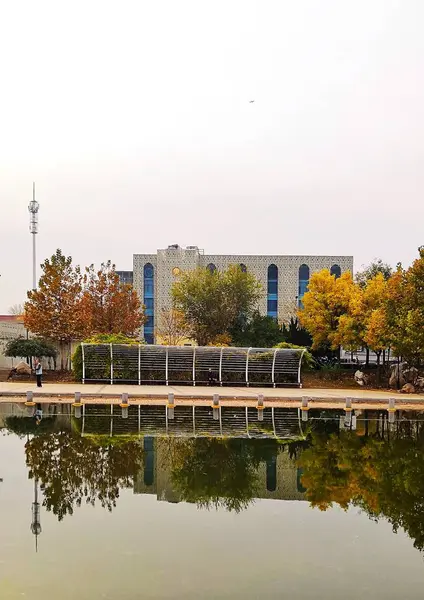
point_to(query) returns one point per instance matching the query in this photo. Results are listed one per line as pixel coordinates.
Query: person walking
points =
(38, 372)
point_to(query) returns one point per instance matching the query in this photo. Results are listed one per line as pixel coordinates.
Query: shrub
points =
(308, 360)
(101, 338)
(20, 347)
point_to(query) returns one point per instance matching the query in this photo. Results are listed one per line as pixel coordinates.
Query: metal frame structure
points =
(191, 421)
(33, 209)
(191, 365)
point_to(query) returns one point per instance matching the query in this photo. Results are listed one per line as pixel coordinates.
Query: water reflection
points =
(378, 467)
(380, 471)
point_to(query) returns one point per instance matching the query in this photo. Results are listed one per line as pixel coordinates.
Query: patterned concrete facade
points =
(11, 327)
(168, 263)
(281, 482)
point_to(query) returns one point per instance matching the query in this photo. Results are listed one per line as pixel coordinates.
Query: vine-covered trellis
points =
(116, 363)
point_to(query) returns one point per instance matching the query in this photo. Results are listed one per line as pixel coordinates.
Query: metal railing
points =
(116, 363)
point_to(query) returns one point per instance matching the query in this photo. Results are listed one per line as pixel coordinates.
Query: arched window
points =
(272, 300)
(149, 461)
(271, 474)
(303, 282)
(243, 267)
(336, 270)
(211, 267)
(149, 302)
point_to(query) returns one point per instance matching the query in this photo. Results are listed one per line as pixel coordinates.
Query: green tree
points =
(217, 473)
(213, 303)
(294, 333)
(73, 469)
(259, 332)
(100, 338)
(373, 269)
(30, 348)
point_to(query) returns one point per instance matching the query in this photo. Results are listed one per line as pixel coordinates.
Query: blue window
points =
(149, 323)
(271, 474)
(149, 303)
(211, 267)
(149, 461)
(336, 270)
(272, 287)
(303, 283)
(243, 267)
(272, 308)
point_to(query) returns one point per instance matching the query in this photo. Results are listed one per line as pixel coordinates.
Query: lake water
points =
(192, 507)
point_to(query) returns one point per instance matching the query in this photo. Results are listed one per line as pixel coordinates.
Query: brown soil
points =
(340, 380)
(50, 376)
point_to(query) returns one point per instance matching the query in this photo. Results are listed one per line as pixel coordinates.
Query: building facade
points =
(11, 327)
(284, 278)
(125, 277)
(277, 479)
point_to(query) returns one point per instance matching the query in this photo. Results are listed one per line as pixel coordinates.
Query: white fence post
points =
(247, 367)
(83, 362)
(111, 364)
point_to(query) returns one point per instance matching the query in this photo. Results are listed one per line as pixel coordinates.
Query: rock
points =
(406, 375)
(408, 388)
(411, 375)
(419, 384)
(361, 378)
(22, 368)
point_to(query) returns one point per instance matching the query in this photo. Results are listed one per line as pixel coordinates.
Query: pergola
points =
(116, 363)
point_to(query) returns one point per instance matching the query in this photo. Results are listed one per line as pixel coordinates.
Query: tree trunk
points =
(378, 366)
(61, 343)
(367, 360)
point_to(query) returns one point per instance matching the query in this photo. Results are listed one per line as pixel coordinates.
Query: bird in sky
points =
(251, 101)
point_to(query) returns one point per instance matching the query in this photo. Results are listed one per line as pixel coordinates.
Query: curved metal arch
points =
(189, 364)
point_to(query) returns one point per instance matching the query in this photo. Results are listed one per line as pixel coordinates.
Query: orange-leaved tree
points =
(109, 306)
(405, 310)
(53, 310)
(365, 322)
(325, 302)
(173, 329)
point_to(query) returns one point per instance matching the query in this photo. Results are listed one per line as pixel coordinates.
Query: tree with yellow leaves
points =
(405, 311)
(340, 312)
(324, 304)
(376, 334)
(365, 323)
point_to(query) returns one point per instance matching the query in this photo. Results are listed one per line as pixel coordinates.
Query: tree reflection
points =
(72, 469)
(215, 472)
(382, 473)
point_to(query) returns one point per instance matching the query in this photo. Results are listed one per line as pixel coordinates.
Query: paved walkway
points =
(65, 390)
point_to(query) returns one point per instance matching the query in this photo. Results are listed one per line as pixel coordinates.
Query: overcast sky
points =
(134, 120)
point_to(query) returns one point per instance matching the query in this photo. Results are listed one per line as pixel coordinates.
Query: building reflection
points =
(277, 478)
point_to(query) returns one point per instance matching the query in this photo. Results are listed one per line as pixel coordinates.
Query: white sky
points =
(134, 120)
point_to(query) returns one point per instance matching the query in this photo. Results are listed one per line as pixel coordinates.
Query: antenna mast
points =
(33, 209)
